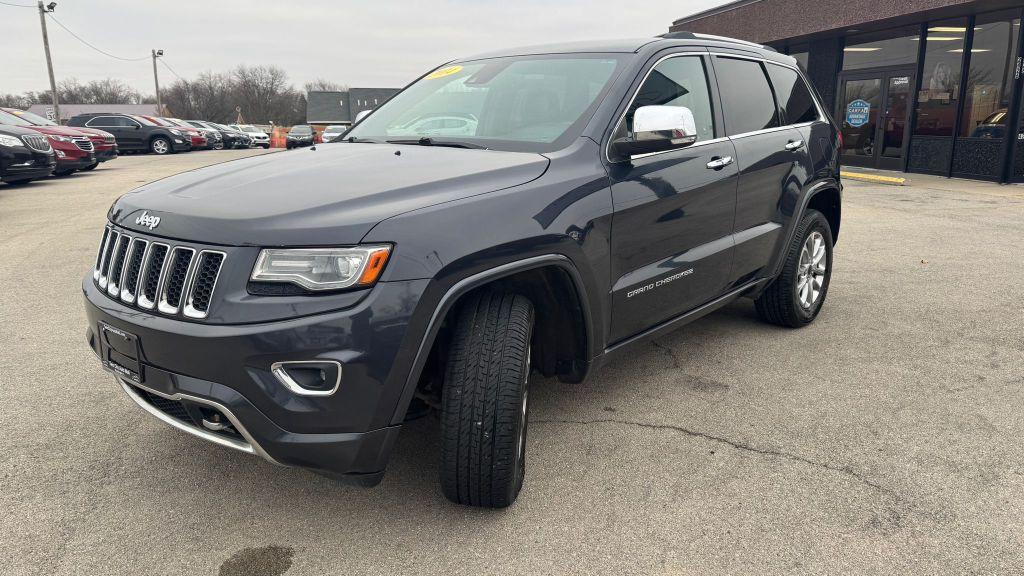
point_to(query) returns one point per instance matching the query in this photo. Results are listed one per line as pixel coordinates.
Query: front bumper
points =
(228, 367)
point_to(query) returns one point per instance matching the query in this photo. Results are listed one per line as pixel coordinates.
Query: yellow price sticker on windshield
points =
(442, 72)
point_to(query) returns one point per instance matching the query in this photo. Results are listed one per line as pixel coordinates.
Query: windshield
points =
(333, 129)
(33, 118)
(248, 128)
(12, 120)
(300, 129)
(527, 103)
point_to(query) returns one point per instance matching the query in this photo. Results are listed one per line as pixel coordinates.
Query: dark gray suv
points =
(302, 306)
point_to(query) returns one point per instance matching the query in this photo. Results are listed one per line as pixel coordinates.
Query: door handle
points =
(719, 163)
(794, 145)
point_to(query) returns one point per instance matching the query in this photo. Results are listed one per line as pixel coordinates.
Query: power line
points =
(168, 66)
(80, 39)
(17, 5)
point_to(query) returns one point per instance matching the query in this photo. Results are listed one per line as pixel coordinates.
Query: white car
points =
(259, 137)
(333, 131)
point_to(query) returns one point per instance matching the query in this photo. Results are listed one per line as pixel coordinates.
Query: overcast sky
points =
(368, 43)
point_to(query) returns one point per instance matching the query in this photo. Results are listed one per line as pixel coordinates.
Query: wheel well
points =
(828, 203)
(560, 333)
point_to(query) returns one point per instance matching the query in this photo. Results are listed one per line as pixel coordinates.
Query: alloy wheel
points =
(812, 270)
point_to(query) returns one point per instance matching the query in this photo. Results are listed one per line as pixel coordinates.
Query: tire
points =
(160, 146)
(789, 300)
(21, 182)
(265, 146)
(90, 167)
(484, 404)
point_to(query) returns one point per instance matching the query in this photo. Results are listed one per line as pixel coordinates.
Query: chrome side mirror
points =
(362, 114)
(656, 129)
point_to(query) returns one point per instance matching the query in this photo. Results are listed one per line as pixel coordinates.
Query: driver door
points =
(672, 244)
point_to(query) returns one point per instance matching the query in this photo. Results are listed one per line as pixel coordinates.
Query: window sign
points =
(857, 113)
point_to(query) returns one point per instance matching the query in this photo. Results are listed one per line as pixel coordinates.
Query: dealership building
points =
(927, 86)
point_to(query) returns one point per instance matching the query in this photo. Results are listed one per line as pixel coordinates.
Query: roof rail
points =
(699, 36)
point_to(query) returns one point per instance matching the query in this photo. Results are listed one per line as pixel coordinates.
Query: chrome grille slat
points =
(176, 275)
(83, 143)
(133, 269)
(99, 254)
(172, 279)
(37, 142)
(117, 265)
(209, 263)
(149, 287)
(107, 253)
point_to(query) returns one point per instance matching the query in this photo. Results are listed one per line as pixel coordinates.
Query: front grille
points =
(37, 142)
(83, 143)
(172, 279)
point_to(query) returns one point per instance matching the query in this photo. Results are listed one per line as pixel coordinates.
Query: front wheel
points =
(160, 145)
(484, 404)
(796, 296)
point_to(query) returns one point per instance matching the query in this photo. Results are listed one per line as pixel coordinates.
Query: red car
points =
(198, 140)
(103, 143)
(73, 149)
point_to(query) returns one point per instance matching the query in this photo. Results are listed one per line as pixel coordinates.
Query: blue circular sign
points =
(858, 112)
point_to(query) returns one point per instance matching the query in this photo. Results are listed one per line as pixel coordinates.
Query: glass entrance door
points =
(874, 115)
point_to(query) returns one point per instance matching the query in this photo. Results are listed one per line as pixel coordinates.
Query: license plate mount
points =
(119, 352)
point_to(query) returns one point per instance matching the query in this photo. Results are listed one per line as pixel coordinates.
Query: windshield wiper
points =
(428, 141)
(358, 140)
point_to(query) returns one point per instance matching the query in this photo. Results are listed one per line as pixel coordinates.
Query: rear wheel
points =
(796, 296)
(484, 406)
(160, 145)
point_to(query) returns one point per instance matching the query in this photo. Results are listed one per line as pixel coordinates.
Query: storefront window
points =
(983, 123)
(931, 147)
(878, 49)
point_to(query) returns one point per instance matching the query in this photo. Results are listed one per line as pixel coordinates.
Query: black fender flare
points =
(817, 188)
(469, 283)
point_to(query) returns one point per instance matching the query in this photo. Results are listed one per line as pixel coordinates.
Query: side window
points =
(128, 122)
(679, 81)
(794, 95)
(102, 122)
(747, 100)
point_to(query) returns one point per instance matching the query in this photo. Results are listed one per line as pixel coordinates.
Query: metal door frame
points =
(883, 74)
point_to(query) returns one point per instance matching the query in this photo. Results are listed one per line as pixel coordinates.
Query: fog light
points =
(308, 378)
(60, 154)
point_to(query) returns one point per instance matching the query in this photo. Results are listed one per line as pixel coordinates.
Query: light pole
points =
(156, 80)
(49, 62)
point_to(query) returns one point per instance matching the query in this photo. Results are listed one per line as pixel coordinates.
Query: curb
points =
(891, 180)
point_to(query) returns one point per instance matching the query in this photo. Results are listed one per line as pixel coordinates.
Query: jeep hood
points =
(331, 195)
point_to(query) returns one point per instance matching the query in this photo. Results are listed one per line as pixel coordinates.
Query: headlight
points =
(175, 131)
(322, 268)
(6, 140)
(56, 138)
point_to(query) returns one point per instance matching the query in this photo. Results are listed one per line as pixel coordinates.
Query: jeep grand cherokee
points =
(301, 306)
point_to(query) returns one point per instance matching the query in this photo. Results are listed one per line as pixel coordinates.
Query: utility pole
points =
(49, 62)
(156, 80)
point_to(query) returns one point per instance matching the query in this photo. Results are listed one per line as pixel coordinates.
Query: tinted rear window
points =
(747, 99)
(794, 96)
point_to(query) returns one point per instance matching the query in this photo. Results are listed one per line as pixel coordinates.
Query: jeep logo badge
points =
(148, 221)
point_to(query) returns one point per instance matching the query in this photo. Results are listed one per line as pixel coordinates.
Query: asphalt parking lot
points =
(885, 438)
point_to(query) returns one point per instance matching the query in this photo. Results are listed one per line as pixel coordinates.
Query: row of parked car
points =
(33, 147)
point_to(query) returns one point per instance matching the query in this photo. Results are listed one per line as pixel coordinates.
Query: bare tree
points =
(264, 94)
(321, 85)
(210, 97)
